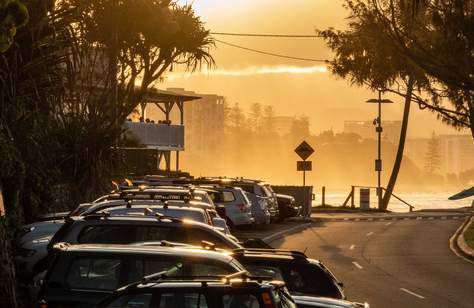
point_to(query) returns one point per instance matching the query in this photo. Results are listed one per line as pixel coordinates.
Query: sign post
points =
(304, 150)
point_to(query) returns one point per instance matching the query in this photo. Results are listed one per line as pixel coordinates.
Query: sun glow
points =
(253, 70)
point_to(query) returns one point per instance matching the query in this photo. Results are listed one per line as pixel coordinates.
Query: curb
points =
(283, 233)
(458, 245)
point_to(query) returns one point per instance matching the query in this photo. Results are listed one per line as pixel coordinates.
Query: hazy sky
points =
(292, 87)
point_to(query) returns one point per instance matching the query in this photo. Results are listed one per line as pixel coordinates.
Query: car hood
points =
(327, 302)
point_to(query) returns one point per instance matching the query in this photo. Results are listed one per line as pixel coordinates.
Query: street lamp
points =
(379, 130)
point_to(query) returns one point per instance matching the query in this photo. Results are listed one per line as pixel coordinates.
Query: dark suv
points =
(233, 291)
(82, 275)
(302, 275)
(104, 229)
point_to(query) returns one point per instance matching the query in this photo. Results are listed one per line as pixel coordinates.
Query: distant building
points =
(204, 121)
(283, 124)
(456, 151)
(366, 129)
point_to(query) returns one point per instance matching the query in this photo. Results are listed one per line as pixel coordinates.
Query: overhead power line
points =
(267, 35)
(271, 53)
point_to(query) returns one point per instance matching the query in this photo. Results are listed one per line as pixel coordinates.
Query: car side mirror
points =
(341, 284)
(219, 223)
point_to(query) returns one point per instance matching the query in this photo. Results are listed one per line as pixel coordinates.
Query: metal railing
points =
(351, 197)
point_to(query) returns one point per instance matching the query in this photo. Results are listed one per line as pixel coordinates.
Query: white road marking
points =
(430, 218)
(370, 233)
(455, 217)
(352, 247)
(406, 218)
(357, 265)
(388, 223)
(419, 218)
(412, 293)
(346, 219)
(443, 217)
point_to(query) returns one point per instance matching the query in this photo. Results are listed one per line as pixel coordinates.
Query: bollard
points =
(352, 197)
(323, 196)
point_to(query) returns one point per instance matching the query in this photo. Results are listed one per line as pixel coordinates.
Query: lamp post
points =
(378, 128)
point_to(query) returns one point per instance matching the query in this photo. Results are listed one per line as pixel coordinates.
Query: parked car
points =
(287, 206)
(237, 206)
(30, 247)
(228, 292)
(193, 210)
(302, 275)
(262, 193)
(102, 228)
(82, 275)
(324, 302)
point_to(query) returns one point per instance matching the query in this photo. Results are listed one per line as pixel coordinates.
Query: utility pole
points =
(378, 128)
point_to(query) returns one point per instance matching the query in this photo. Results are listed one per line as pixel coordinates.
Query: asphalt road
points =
(403, 263)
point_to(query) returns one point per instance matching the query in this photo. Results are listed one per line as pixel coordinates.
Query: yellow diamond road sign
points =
(304, 150)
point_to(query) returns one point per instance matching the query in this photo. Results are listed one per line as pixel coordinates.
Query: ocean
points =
(421, 201)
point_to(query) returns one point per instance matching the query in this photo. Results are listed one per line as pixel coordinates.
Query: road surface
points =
(391, 263)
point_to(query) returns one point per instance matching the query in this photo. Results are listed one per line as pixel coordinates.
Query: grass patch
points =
(469, 236)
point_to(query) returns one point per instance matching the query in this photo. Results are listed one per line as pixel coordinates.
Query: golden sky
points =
(292, 87)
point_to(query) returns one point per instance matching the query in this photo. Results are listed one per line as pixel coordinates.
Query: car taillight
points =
(42, 304)
(267, 300)
(241, 207)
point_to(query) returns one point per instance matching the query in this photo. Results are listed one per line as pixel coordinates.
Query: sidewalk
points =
(338, 215)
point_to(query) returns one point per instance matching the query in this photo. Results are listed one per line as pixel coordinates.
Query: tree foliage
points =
(433, 156)
(437, 38)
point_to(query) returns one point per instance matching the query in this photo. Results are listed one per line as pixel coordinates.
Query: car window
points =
(183, 300)
(311, 279)
(283, 299)
(160, 233)
(107, 234)
(248, 188)
(195, 236)
(240, 301)
(210, 268)
(265, 271)
(227, 196)
(94, 273)
(132, 301)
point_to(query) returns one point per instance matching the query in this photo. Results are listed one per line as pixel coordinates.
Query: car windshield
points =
(308, 279)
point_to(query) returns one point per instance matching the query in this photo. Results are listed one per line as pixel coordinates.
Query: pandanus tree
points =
(365, 57)
(419, 49)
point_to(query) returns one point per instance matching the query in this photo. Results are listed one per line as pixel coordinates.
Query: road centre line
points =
(412, 293)
(352, 247)
(388, 223)
(370, 233)
(357, 265)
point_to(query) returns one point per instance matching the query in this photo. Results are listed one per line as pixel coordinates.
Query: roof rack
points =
(282, 252)
(227, 279)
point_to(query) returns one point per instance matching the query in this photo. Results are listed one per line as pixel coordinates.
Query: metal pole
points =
(379, 135)
(324, 196)
(304, 178)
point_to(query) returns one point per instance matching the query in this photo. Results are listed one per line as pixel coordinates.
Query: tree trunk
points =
(401, 147)
(7, 269)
